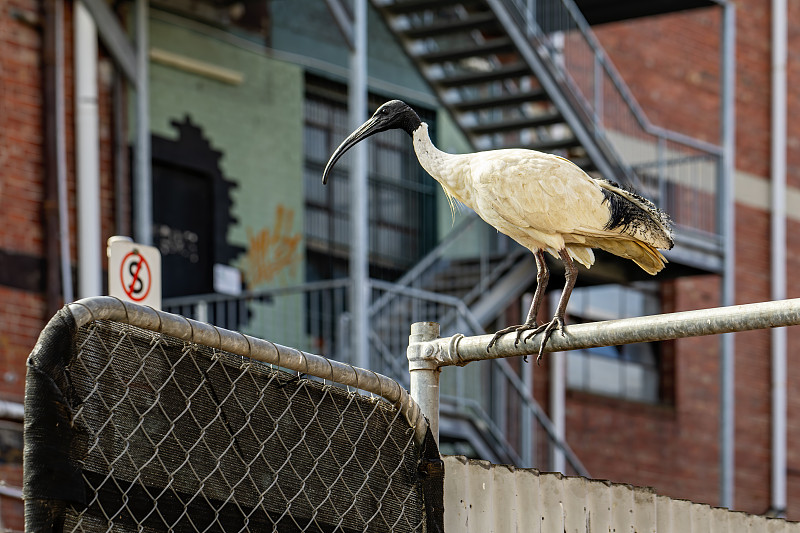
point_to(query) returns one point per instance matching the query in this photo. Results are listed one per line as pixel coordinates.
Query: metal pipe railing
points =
(427, 354)
(460, 350)
(323, 325)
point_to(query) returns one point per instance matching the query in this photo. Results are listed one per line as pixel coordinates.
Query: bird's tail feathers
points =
(647, 257)
(643, 254)
(581, 254)
(636, 216)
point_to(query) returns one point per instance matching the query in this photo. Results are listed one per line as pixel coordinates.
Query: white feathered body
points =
(545, 202)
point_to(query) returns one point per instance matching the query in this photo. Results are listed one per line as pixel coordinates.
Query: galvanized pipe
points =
(359, 192)
(728, 231)
(558, 411)
(87, 155)
(67, 290)
(778, 251)
(460, 350)
(143, 182)
(424, 372)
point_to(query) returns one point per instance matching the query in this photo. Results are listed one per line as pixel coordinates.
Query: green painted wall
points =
(257, 126)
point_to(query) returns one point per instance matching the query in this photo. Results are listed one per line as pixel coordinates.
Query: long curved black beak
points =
(370, 127)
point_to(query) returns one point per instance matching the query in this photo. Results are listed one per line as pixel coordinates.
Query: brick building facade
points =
(671, 63)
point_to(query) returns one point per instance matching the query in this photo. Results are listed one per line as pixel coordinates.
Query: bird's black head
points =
(391, 115)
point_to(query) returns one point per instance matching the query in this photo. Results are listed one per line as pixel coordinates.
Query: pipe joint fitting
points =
(421, 353)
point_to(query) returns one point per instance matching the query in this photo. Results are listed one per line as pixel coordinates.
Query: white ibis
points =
(544, 202)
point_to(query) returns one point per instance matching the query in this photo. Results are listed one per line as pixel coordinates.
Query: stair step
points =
(505, 100)
(460, 277)
(404, 7)
(500, 126)
(478, 21)
(514, 70)
(554, 144)
(495, 46)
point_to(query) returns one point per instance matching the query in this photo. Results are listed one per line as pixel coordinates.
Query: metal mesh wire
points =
(172, 435)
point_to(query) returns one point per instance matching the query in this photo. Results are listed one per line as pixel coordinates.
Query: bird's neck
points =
(440, 165)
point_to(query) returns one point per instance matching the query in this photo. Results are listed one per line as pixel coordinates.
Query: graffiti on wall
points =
(272, 251)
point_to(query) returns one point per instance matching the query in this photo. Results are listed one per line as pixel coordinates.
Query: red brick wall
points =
(21, 156)
(20, 184)
(21, 192)
(671, 447)
(20, 135)
(23, 311)
(672, 65)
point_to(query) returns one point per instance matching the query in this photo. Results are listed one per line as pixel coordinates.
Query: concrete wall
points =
(480, 497)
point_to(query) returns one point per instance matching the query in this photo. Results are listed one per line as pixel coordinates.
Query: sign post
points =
(134, 272)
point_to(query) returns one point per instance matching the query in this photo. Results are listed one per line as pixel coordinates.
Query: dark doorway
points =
(183, 229)
(191, 211)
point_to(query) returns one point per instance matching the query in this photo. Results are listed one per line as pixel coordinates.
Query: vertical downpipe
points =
(359, 191)
(558, 411)
(142, 183)
(778, 252)
(59, 271)
(67, 290)
(728, 228)
(87, 157)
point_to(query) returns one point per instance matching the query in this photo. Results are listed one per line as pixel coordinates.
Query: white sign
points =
(227, 280)
(134, 272)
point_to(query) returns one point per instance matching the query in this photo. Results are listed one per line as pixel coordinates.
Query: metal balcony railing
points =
(680, 173)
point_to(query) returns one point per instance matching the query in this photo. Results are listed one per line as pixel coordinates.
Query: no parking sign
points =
(134, 272)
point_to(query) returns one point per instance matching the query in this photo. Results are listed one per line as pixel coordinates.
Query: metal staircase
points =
(525, 73)
(493, 81)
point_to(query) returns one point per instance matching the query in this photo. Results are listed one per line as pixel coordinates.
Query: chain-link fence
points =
(141, 420)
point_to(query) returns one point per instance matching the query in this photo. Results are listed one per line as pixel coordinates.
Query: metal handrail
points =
(460, 350)
(601, 56)
(603, 107)
(427, 262)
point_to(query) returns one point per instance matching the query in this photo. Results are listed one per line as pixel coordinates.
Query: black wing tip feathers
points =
(638, 216)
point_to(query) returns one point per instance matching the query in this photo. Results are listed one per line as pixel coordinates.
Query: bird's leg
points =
(558, 319)
(542, 277)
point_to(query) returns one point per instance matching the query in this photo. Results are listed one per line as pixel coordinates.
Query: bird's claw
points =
(547, 332)
(519, 329)
(527, 331)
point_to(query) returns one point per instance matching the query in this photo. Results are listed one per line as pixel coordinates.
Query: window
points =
(630, 371)
(401, 196)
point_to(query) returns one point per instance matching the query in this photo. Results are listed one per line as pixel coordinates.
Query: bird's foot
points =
(519, 329)
(528, 331)
(547, 331)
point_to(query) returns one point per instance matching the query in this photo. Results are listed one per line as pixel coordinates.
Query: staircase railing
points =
(679, 172)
